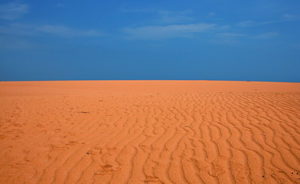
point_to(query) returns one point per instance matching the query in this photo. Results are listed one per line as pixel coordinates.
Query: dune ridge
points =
(171, 132)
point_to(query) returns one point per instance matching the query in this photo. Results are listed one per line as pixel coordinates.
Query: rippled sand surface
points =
(149, 132)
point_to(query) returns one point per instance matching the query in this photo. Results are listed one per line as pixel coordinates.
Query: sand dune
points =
(149, 132)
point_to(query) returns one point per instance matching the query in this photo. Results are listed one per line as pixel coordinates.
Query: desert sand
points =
(149, 132)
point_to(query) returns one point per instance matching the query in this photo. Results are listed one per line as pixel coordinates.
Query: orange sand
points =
(149, 132)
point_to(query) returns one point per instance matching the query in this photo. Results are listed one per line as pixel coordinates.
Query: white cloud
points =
(265, 36)
(248, 23)
(164, 16)
(285, 18)
(57, 30)
(13, 11)
(159, 32)
(168, 17)
(67, 32)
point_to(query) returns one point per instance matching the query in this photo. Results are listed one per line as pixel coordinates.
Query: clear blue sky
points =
(256, 40)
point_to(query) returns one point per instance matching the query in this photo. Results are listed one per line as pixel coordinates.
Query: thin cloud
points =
(68, 32)
(266, 36)
(160, 32)
(290, 17)
(56, 30)
(169, 17)
(12, 11)
(164, 16)
(285, 18)
(251, 23)
(248, 23)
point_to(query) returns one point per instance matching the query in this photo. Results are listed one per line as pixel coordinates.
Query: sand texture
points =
(149, 132)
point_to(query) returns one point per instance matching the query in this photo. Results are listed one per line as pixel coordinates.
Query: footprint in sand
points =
(152, 179)
(107, 169)
(72, 143)
(279, 176)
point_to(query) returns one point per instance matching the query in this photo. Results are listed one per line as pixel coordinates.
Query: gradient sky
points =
(256, 40)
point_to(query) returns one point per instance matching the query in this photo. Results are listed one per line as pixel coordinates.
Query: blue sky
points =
(256, 40)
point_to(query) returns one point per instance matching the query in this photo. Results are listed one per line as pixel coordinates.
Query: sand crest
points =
(149, 132)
